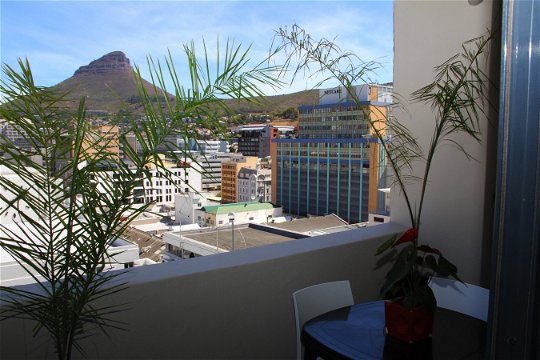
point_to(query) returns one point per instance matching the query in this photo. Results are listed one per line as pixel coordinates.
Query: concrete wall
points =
(235, 306)
(458, 210)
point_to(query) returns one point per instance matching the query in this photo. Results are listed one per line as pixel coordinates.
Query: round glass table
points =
(357, 332)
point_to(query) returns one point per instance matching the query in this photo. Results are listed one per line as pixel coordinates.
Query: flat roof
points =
(244, 237)
(311, 224)
(157, 226)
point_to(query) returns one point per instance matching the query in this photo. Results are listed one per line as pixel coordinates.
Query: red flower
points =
(408, 236)
(428, 249)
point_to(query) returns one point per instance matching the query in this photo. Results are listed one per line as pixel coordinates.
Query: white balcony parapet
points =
(232, 305)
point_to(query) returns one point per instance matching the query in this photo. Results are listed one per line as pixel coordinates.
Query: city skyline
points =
(58, 37)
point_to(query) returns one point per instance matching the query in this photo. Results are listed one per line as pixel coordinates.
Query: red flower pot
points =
(407, 325)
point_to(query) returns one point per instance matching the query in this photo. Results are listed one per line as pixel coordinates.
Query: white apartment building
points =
(162, 187)
(264, 185)
(173, 143)
(177, 143)
(254, 185)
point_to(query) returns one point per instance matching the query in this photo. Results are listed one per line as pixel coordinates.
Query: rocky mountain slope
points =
(107, 83)
(109, 87)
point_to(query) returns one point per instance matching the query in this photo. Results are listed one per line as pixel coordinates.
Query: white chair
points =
(316, 300)
(467, 299)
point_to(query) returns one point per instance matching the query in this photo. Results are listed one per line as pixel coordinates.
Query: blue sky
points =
(59, 36)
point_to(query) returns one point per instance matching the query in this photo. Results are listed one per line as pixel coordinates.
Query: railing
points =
(234, 305)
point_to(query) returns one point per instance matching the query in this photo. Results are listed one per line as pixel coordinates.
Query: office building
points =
(256, 140)
(229, 176)
(334, 165)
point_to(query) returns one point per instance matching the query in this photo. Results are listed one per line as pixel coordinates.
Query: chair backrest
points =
(464, 298)
(316, 300)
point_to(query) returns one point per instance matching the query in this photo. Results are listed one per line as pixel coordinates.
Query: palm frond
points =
(73, 197)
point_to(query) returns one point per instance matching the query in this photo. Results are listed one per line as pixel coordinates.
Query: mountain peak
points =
(115, 61)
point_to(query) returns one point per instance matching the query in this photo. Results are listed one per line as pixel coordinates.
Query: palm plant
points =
(456, 98)
(74, 197)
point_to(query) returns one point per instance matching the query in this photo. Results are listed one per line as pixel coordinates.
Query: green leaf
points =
(387, 244)
(419, 294)
(430, 262)
(445, 268)
(401, 268)
(81, 219)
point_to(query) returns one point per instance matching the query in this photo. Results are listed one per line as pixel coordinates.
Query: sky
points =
(59, 36)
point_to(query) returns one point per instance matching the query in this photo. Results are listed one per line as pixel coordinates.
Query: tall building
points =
(229, 177)
(256, 140)
(268, 134)
(335, 165)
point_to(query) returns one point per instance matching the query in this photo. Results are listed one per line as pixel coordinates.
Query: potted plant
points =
(409, 310)
(456, 98)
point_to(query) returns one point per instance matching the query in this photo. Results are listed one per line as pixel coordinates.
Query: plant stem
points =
(449, 104)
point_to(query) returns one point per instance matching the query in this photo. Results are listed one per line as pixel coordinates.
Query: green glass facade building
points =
(334, 165)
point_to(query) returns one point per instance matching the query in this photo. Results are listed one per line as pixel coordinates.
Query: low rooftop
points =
(253, 235)
(316, 225)
(244, 237)
(150, 247)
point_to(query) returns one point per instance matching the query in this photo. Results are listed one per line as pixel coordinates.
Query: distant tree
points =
(239, 119)
(290, 113)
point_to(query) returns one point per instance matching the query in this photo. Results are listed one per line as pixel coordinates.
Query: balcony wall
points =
(458, 210)
(236, 305)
